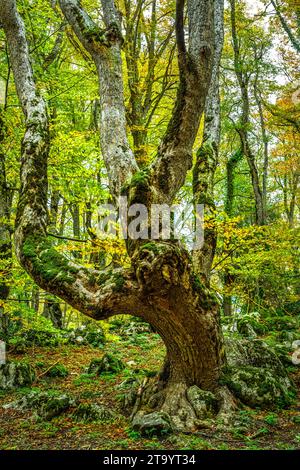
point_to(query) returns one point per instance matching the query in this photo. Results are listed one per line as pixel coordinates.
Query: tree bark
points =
(265, 140)
(195, 62)
(208, 155)
(228, 278)
(143, 99)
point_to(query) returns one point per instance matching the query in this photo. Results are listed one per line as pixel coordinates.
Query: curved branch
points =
(105, 48)
(195, 65)
(293, 39)
(98, 294)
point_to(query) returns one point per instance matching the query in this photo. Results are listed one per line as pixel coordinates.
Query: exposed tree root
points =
(186, 408)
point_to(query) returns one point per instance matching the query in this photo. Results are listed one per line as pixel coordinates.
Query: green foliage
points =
(271, 419)
(84, 379)
(58, 370)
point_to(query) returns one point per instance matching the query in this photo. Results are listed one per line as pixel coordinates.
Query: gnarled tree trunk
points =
(160, 286)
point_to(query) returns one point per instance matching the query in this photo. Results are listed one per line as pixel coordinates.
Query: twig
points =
(79, 240)
(47, 370)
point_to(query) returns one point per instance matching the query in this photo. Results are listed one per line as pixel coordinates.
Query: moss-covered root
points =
(178, 408)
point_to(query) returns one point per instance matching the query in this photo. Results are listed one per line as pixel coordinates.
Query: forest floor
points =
(279, 429)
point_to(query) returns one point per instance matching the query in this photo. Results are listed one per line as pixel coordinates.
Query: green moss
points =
(107, 364)
(151, 246)
(91, 412)
(116, 278)
(119, 282)
(140, 177)
(205, 152)
(258, 387)
(92, 279)
(59, 370)
(46, 262)
(197, 283)
(208, 298)
(104, 277)
(138, 187)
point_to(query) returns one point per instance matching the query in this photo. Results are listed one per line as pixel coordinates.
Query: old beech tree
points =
(164, 285)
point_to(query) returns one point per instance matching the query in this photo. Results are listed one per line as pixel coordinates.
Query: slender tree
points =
(5, 230)
(243, 127)
(294, 37)
(208, 154)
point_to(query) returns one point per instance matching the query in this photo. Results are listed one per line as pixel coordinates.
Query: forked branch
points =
(98, 294)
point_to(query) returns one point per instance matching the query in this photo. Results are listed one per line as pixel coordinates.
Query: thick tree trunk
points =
(186, 315)
(160, 285)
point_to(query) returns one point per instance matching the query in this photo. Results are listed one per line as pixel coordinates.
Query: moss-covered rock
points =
(153, 424)
(256, 375)
(246, 329)
(16, 374)
(256, 353)
(107, 364)
(46, 405)
(89, 412)
(86, 334)
(204, 403)
(41, 337)
(135, 328)
(259, 387)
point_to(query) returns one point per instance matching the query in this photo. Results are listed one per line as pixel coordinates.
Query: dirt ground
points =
(276, 429)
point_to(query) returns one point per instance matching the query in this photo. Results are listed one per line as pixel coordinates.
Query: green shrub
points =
(58, 370)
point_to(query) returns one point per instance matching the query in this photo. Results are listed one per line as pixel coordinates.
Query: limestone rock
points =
(89, 412)
(256, 353)
(256, 375)
(16, 374)
(156, 423)
(107, 364)
(135, 328)
(86, 334)
(259, 387)
(46, 405)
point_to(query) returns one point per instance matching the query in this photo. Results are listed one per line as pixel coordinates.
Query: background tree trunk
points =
(52, 311)
(5, 230)
(244, 124)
